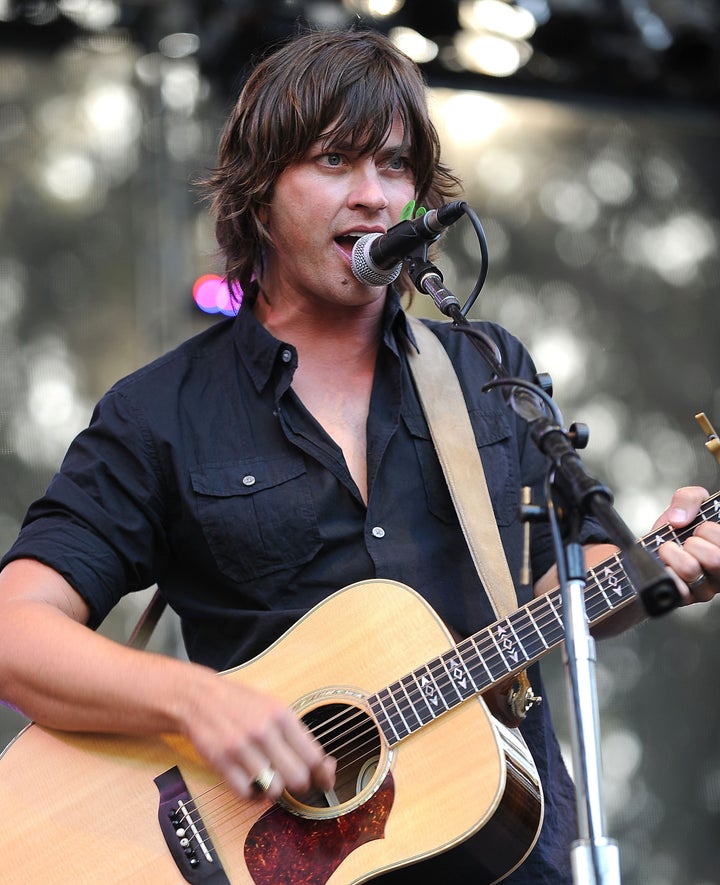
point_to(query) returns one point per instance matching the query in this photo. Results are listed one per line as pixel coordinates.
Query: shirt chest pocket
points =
(495, 444)
(257, 515)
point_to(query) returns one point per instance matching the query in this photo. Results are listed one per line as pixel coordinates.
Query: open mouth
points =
(347, 243)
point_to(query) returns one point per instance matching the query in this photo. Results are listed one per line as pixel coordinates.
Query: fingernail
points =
(677, 514)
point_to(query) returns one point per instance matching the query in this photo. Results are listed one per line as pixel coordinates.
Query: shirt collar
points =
(258, 350)
(395, 325)
(262, 354)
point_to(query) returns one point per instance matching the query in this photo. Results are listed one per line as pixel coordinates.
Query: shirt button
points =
(249, 480)
(286, 355)
(378, 531)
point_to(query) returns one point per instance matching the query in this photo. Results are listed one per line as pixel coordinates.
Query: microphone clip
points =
(427, 278)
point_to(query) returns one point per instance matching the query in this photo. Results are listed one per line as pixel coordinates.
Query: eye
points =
(399, 163)
(333, 159)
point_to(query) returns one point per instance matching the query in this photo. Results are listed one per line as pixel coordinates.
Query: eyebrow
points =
(326, 143)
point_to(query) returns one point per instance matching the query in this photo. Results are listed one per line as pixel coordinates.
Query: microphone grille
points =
(365, 268)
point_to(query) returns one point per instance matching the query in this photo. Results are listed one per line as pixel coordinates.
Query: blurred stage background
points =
(587, 135)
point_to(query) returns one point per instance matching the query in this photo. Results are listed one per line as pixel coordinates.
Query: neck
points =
(322, 330)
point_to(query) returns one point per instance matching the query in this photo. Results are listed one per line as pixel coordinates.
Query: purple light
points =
(212, 295)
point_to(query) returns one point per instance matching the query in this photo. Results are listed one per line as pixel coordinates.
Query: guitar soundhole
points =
(351, 736)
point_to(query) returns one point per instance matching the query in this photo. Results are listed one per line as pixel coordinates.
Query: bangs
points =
(359, 114)
(344, 89)
(353, 126)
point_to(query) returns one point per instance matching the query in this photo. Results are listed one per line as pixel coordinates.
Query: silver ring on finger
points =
(694, 584)
(264, 780)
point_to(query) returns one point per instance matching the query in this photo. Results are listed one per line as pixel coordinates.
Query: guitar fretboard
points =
(509, 645)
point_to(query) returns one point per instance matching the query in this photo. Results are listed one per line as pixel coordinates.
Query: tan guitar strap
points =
(446, 413)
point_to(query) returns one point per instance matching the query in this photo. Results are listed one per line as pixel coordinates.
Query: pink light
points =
(212, 295)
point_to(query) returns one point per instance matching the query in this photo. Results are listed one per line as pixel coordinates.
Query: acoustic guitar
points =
(422, 764)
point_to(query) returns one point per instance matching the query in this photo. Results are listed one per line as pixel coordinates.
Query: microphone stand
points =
(571, 493)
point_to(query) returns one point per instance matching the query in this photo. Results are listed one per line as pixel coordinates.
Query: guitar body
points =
(84, 808)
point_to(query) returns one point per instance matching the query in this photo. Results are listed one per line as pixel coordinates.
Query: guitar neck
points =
(496, 652)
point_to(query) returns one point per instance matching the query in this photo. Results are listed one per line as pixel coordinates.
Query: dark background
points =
(594, 171)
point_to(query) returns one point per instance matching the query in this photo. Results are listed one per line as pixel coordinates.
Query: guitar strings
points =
(538, 618)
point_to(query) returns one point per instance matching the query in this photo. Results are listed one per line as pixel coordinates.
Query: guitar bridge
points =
(185, 833)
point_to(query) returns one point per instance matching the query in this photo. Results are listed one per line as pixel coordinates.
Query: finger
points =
(700, 589)
(320, 766)
(265, 782)
(710, 532)
(286, 745)
(697, 566)
(683, 566)
(684, 506)
(707, 555)
(252, 778)
(703, 547)
(243, 757)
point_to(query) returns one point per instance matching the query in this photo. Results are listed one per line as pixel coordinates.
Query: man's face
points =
(321, 204)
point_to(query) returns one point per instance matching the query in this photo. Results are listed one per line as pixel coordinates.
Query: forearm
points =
(59, 673)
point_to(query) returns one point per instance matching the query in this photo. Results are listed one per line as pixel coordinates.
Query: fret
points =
(430, 690)
(608, 583)
(612, 582)
(597, 605)
(549, 598)
(555, 630)
(473, 662)
(382, 719)
(675, 537)
(460, 679)
(408, 721)
(532, 643)
(537, 629)
(517, 638)
(504, 669)
(652, 542)
(399, 720)
(481, 657)
(600, 603)
(511, 648)
(419, 705)
(405, 705)
(392, 713)
(416, 700)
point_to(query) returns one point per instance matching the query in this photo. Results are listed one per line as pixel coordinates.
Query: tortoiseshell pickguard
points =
(284, 849)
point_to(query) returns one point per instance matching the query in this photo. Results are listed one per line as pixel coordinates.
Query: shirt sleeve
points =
(100, 522)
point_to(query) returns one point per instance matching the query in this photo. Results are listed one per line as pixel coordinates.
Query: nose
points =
(367, 189)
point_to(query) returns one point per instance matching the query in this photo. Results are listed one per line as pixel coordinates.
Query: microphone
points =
(377, 258)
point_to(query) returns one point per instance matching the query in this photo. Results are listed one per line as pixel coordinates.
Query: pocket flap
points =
(244, 477)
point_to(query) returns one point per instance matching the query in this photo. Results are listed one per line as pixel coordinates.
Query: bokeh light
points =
(211, 294)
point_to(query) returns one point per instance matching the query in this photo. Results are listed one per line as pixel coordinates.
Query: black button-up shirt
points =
(204, 473)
